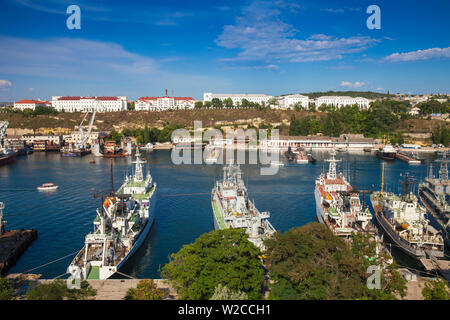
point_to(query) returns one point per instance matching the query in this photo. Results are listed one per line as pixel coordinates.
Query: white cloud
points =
(348, 84)
(262, 37)
(97, 65)
(5, 84)
(332, 10)
(427, 54)
(380, 89)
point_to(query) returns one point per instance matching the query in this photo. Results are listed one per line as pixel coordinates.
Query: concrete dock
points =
(12, 245)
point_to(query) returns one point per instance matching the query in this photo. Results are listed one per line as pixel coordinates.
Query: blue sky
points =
(139, 48)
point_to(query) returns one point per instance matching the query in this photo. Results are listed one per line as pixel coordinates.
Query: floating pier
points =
(12, 245)
(405, 158)
(442, 266)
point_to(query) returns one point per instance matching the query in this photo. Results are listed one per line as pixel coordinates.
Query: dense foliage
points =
(145, 290)
(433, 106)
(57, 290)
(310, 262)
(441, 135)
(6, 290)
(219, 257)
(436, 290)
(146, 134)
(376, 121)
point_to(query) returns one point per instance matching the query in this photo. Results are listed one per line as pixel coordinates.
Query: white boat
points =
(232, 208)
(276, 163)
(122, 223)
(148, 146)
(47, 187)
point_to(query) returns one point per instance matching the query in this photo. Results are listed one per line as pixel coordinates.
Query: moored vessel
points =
(387, 153)
(404, 220)
(434, 193)
(232, 208)
(123, 221)
(338, 205)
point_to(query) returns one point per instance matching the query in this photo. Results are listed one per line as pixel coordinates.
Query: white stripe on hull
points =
(319, 209)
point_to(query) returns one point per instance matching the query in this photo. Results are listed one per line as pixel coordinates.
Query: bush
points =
(436, 290)
(6, 290)
(57, 290)
(145, 290)
(311, 263)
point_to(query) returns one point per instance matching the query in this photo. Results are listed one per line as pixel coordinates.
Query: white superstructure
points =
(340, 101)
(85, 104)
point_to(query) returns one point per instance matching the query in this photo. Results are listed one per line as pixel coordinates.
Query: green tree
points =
(198, 105)
(436, 290)
(228, 102)
(219, 257)
(223, 293)
(6, 290)
(145, 290)
(310, 262)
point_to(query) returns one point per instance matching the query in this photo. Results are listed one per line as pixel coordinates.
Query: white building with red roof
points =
(85, 104)
(164, 103)
(30, 104)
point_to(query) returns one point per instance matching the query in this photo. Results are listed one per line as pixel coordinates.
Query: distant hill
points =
(364, 94)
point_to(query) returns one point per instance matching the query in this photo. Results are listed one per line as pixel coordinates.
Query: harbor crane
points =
(3, 127)
(84, 136)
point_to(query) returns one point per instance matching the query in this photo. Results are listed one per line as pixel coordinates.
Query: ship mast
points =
(138, 175)
(443, 171)
(332, 170)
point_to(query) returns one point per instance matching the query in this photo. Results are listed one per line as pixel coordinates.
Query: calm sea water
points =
(183, 210)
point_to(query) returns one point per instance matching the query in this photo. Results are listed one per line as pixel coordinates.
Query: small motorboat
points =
(47, 187)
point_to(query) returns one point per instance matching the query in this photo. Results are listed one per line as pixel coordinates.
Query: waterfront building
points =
(237, 98)
(289, 101)
(355, 142)
(164, 103)
(340, 101)
(31, 139)
(30, 104)
(75, 138)
(85, 104)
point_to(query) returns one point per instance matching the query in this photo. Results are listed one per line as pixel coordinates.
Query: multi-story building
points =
(289, 101)
(30, 104)
(30, 139)
(85, 104)
(237, 98)
(164, 103)
(339, 101)
(75, 138)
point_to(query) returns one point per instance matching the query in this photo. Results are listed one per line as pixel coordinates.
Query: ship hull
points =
(320, 214)
(438, 217)
(217, 214)
(7, 159)
(402, 244)
(388, 156)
